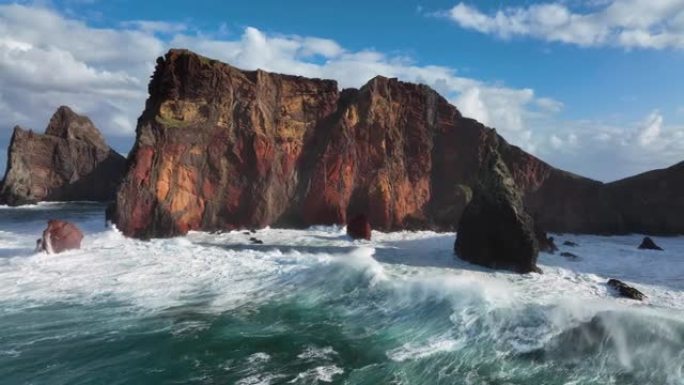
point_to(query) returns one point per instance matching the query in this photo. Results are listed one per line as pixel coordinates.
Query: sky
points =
(595, 87)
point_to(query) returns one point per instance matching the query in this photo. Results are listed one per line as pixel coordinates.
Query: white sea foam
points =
(324, 373)
(227, 270)
(316, 353)
(417, 351)
(220, 272)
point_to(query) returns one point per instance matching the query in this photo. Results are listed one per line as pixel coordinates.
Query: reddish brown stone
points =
(359, 228)
(221, 148)
(60, 236)
(70, 162)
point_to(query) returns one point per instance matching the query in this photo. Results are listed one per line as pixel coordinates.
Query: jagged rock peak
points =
(67, 124)
(494, 230)
(70, 162)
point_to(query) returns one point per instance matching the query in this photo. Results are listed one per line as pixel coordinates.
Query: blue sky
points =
(594, 86)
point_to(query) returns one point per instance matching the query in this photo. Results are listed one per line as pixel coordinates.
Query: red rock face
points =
(359, 228)
(70, 162)
(221, 148)
(60, 236)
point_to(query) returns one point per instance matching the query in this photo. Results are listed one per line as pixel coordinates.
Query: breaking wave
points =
(312, 306)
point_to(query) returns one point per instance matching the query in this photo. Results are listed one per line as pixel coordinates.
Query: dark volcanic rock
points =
(221, 148)
(648, 203)
(60, 236)
(70, 162)
(495, 231)
(625, 290)
(648, 244)
(359, 228)
(569, 255)
(546, 243)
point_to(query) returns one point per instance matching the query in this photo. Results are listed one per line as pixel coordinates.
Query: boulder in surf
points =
(60, 236)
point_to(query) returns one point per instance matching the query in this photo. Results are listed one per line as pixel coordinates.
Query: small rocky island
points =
(69, 162)
(494, 230)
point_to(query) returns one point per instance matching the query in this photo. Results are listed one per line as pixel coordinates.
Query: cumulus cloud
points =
(646, 24)
(47, 60)
(609, 151)
(650, 129)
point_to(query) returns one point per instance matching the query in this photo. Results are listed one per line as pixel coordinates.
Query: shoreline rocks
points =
(69, 162)
(648, 244)
(625, 290)
(494, 230)
(546, 243)
(570, 256)
(59, 236)
(359, 228)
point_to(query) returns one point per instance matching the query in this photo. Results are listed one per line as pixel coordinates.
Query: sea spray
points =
(312, 306)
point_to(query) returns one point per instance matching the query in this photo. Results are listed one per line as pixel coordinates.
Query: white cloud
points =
(608, 151)
(650, 129)
(647, 24)
(47, 60)
(149, 26)
(549, 104)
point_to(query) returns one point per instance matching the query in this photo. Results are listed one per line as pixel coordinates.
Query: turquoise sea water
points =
(313, 307)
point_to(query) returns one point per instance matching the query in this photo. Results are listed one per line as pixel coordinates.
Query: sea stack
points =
(494, 230)
(648, 244)
(69, 162)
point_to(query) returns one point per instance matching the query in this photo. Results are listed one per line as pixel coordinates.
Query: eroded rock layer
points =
(70, 162)
(221, 148)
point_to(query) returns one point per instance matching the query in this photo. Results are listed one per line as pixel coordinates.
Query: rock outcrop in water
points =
(546, 244)
(625, 290)
(70, 162)
(221, 148)
(359, 228)
(494, 230)
(60, 236)
(648, 244)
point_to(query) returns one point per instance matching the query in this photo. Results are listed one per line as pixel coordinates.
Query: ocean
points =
(314, 307)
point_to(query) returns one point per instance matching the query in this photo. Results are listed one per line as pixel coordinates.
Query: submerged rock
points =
(494, 230)
(648, 244)
(546, 243)
(625, 290)
(359, 228)
(70, 162)
(60, 236)
(570, 244)
(569, 255)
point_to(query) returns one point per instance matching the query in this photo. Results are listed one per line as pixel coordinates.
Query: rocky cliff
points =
(221, 148)
(70, 162)
(495, 230)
